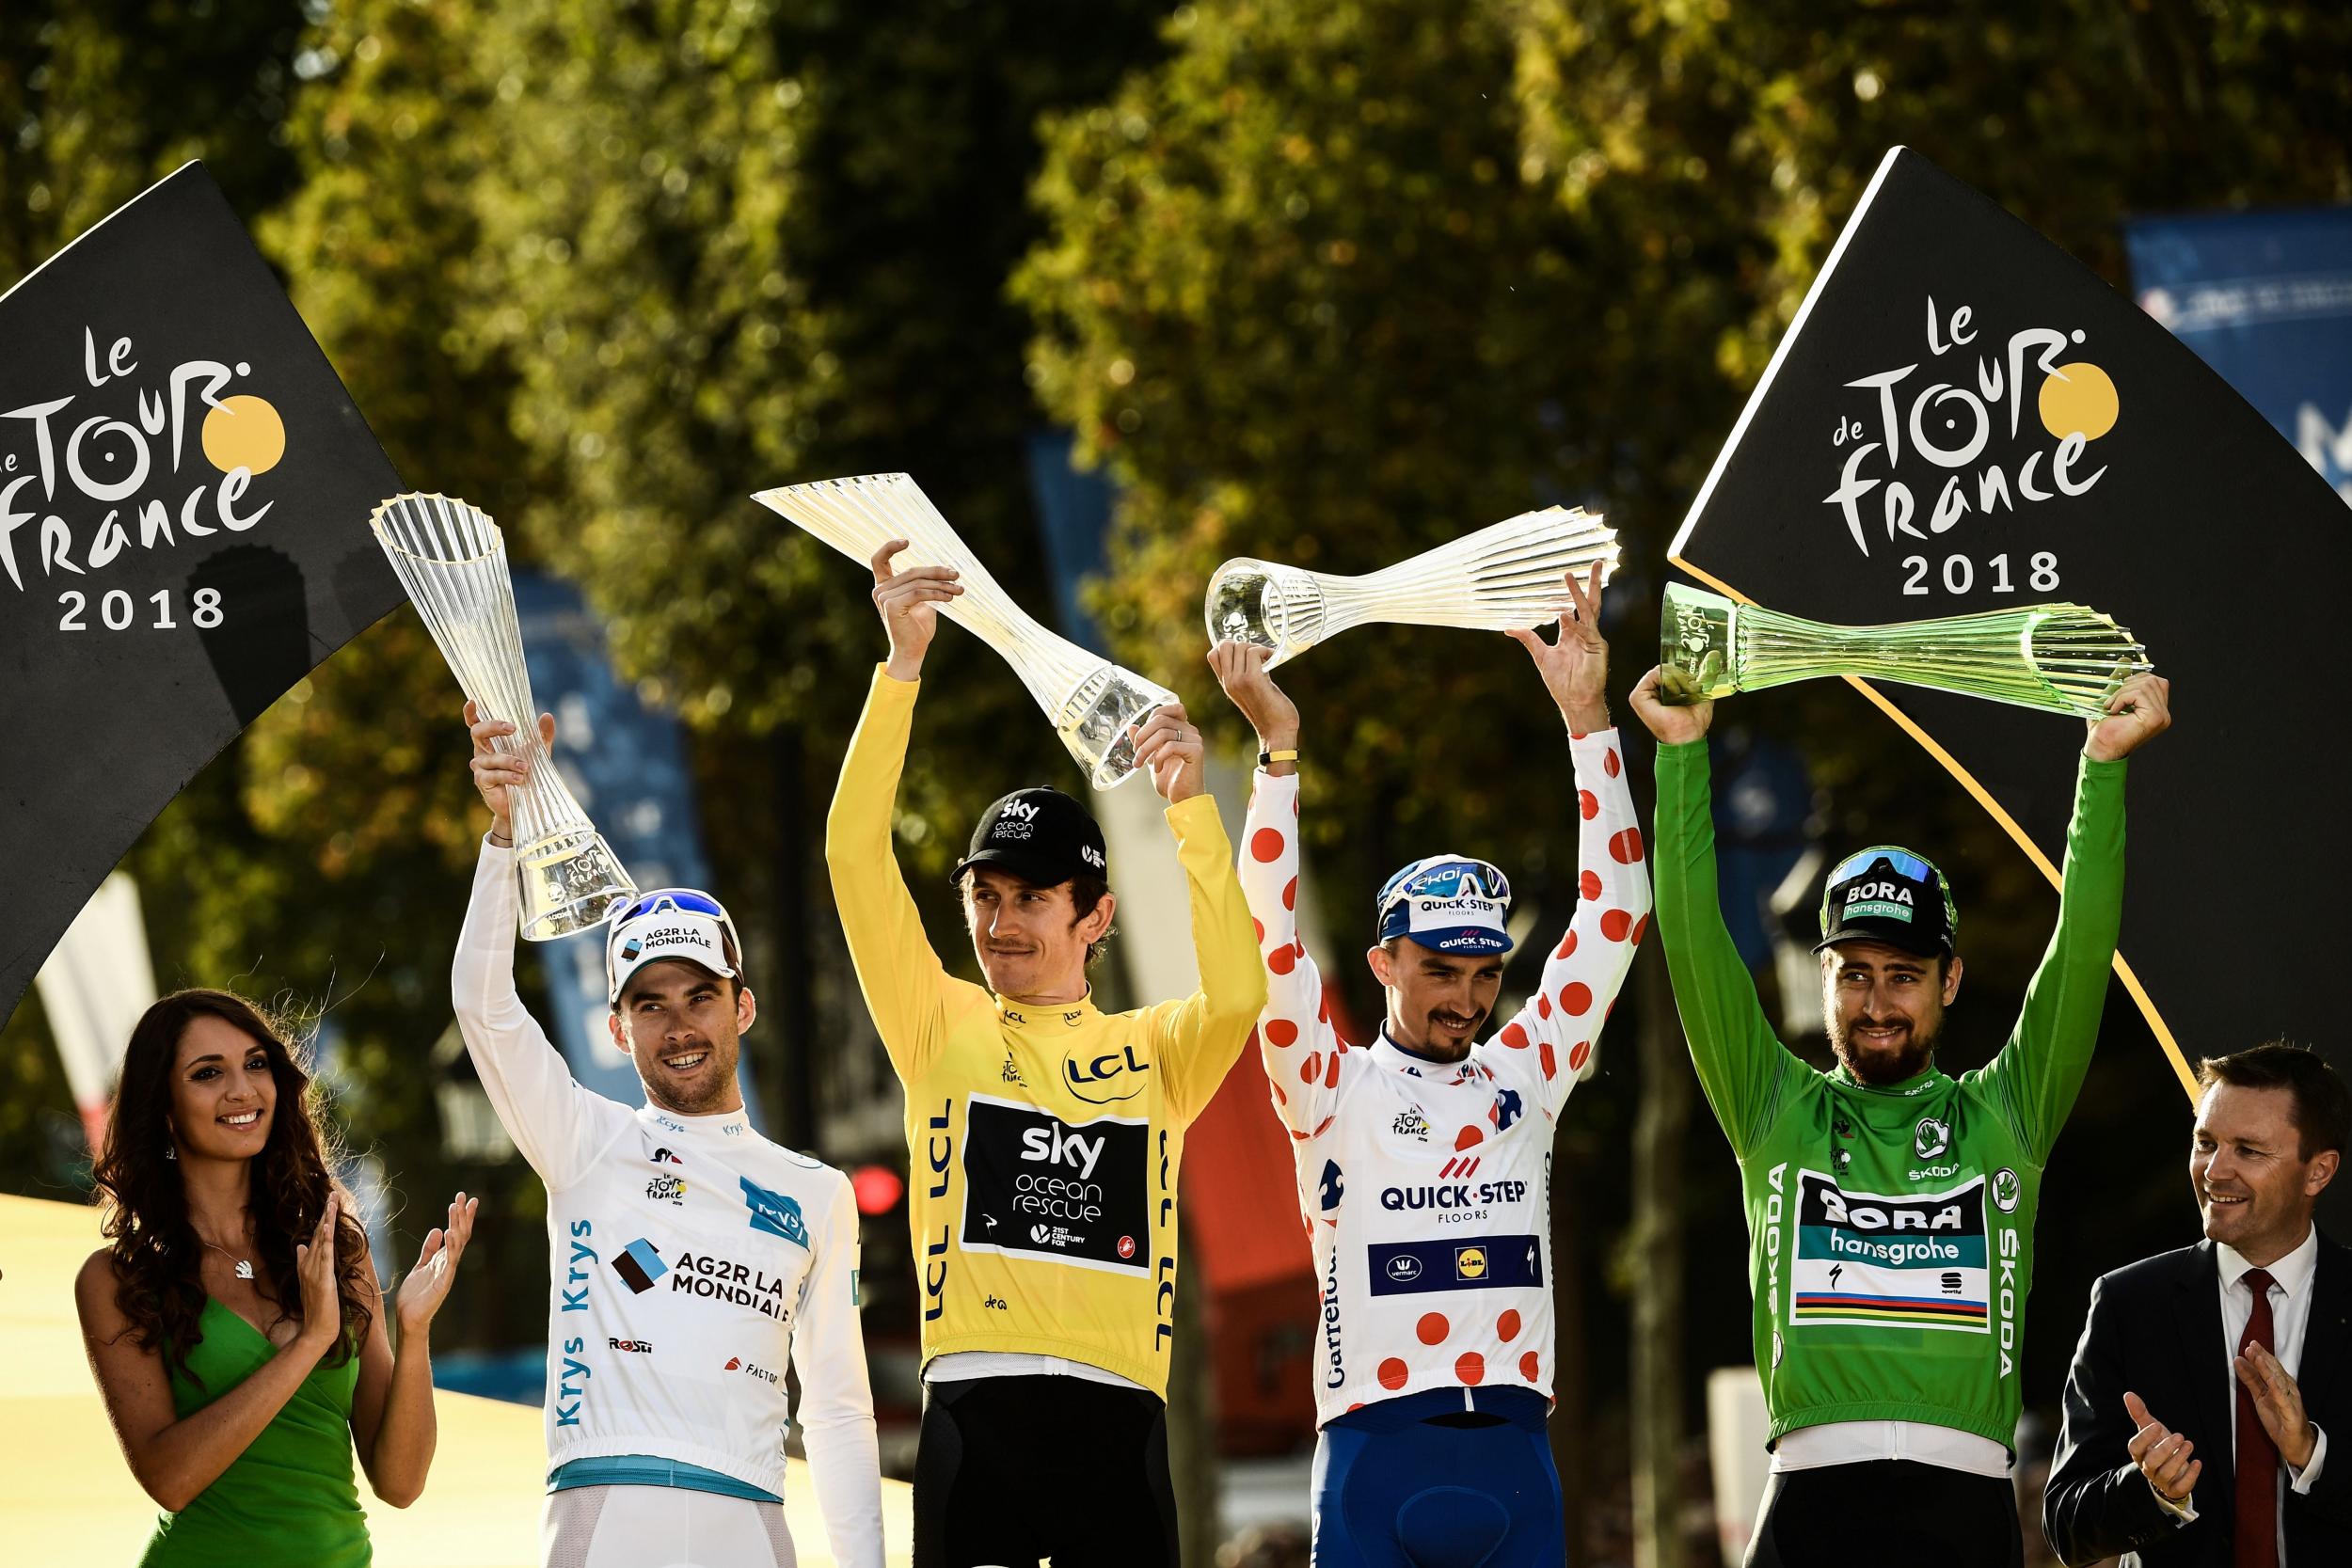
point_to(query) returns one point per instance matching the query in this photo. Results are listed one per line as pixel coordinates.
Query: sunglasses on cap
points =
(665, 898)
(1907, 865)
(1447, 878)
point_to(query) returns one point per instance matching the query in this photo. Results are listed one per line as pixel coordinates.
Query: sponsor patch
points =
(774, 1213)
(1487, 1263)
(1037, 1186)
(1907, 1260)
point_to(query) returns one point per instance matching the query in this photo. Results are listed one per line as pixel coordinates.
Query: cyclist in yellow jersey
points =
(1045, 1135)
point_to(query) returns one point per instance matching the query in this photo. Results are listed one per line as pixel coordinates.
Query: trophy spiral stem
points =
(1501, 578)
(1091, 700)
(2053, 657)
(451, 559)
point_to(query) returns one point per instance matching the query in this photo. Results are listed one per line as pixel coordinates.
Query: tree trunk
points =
(1656, 1241)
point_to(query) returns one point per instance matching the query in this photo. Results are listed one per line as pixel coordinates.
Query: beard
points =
(1910, 1058)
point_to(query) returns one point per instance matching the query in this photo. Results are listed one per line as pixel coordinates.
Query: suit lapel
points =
(2325, 1330)
(2204, 1353)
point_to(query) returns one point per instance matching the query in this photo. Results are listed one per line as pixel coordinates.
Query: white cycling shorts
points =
(661, 1527)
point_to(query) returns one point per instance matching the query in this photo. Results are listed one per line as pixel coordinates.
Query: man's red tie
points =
(2257, 1474)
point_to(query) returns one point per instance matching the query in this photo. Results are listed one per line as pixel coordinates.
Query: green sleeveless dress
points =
(289, 1499)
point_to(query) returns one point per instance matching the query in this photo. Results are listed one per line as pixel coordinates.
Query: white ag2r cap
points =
(668, 922)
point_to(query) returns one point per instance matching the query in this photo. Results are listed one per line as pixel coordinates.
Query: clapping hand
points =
(2162, 1454)
(427, 1284)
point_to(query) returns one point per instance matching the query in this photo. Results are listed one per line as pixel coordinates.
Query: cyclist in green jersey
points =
(1890, 1207)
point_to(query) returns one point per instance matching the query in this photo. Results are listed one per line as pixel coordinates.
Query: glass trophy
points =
(1499, 578)
(2054, 658)
(452, 559)
(1091, 702)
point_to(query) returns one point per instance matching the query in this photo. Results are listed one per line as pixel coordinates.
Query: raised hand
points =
(1169, 746)
(909, 602)
(427, 1284)
(2278, 1402)
(2162, 1454)
(1240, 668)
(497, 772)
(1672, 724)
(2137, 714)
(1575, 664)
(315, 1266)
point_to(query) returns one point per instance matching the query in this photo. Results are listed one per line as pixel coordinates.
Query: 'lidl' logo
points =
(1469, 1263)
(774, 1213)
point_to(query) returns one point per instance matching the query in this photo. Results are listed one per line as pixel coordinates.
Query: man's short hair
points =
(2323, 1106)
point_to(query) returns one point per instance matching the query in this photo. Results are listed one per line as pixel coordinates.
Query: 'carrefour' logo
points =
(1507, 1109)
(774, 1213)
(1331, 1188)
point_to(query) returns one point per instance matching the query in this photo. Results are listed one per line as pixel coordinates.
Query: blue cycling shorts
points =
(1423, 1483)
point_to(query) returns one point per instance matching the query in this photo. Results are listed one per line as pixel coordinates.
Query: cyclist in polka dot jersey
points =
(1424, 1162)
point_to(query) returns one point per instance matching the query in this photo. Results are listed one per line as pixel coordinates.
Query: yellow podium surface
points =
(67, 1500)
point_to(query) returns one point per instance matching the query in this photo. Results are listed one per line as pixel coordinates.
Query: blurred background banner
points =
(1962, 417)
(626, 764)
(184, 488)
(94, 986)
(2264, 298)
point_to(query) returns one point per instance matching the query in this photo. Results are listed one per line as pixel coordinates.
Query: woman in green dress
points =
(235, 1323)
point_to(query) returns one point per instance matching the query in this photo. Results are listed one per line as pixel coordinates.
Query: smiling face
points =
(683, 1027)
(2246, 1164)
(1436, 1000)
(224, 1092)
(1031, 942)
(1884, 1009)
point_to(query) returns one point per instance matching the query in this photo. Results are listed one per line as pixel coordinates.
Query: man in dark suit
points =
(2198, 1406)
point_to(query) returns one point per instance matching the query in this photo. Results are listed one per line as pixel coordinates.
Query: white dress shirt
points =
(2291, 1281)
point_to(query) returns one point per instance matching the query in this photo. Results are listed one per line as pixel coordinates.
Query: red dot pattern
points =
(1507, 1328)
(1588, 803)
(1579, 1054)
(1575, 998)
(1615, 924)
(1260, 925)
(1282, 1031)
(1472, 1368)
(1625, 847)
(1551, 1067)
(1432, 1328)
(1393, 1373)
(1532, 1366)
(1639, 926)
(1266, 844)
(1514, 1037)
(1567, 944)
(1467, 1136)
(1289, 894)
(1543, 1005)
(1589, 884)
(1332, 1072)
(1609, 763)
(1283, 959)
(1311, 1069)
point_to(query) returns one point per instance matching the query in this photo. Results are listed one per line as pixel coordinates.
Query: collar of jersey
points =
(1028, 1015)
(1397, 1059)
(1917, 1084)
(715, 1122)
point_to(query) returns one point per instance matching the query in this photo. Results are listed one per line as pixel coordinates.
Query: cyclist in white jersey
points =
(1425, 1161)
(690, 1257)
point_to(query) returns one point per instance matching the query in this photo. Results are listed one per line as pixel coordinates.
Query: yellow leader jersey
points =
(1043, 1142)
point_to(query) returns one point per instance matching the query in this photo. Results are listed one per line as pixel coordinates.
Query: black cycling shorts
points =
(1892, 1510)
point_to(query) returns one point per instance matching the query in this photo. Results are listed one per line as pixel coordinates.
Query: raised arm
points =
(1198, 1036)
(898, 971)
(837, 1410)
(2037, 1075)
(1300, 1050)
(560, 1126)
(1741, 1064)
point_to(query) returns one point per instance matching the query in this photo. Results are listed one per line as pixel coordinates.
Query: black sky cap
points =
(1042, 836)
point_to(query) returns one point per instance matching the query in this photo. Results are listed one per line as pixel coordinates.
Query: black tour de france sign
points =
(185, 489)
(1962, 417)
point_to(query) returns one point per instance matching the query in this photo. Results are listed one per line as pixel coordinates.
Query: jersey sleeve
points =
(1561, 1022)
(902, 979)
(836, 1413)
(1303, 1055)
(560, 1126)
(2036, 1075)
(1741, 1065)
(1198, 1036)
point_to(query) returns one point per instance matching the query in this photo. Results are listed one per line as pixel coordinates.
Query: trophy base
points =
(1096, 721)
(570, 882)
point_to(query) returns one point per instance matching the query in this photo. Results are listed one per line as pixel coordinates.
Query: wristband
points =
(498, 842)
(1267, 759)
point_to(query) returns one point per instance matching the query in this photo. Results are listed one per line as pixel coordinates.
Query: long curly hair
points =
(159, 1283)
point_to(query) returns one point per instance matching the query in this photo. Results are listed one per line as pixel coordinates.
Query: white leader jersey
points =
(690, 1259)
(1425, 1187)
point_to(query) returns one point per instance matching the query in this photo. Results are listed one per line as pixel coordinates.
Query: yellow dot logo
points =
(2079, 399)
(245, 432)
(1469, 1263)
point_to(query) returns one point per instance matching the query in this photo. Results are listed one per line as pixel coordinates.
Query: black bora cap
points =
(1887, 894)
(1042, 836)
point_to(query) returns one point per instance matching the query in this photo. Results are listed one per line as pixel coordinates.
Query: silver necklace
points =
(245, 1268)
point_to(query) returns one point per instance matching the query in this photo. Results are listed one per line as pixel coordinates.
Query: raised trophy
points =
(1500, 578)
(2056, 658)
(452, 561)
(1092, 702)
